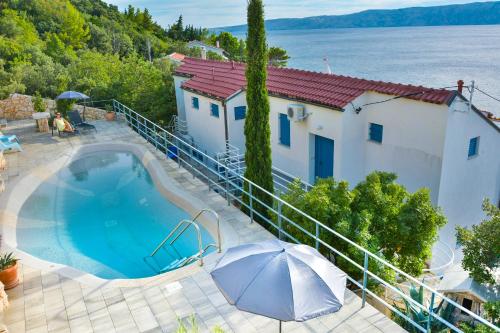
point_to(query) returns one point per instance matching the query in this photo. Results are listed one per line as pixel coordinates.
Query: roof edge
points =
(476, 110)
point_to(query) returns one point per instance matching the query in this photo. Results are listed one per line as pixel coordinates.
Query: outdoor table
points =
(42, 121)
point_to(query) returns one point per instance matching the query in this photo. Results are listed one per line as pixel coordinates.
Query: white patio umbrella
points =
(279, 280)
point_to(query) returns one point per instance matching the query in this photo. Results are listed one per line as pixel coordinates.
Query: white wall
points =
(354, 140)
(466, 182)
(179, 96)
(207, 131)
(412, 146)
(298, 159)
(413, 141)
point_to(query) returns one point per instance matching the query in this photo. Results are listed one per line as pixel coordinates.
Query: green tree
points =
(153, 97)
(278, 57)
(74, 31)
(100, 40)
(56, 48)
(48, 78)
(230, 44)
(16, 26)
(57, 16)
(92, 73)
(9, 83)
(377, 214)
(214, 56)
(481, 245)
(122, 44)
(257, 130)
(64, 105)
(38, 103)
(403, 226)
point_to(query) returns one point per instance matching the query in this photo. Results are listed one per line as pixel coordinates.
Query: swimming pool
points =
(103, 214)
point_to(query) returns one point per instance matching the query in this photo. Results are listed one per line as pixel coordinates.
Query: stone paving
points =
(47, 300)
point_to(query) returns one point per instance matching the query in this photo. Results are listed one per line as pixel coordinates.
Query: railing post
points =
(178, 155)
(431, 310)
(250, 196)
(280, 220)
(365, 280)
(227, 185)
(317, 237)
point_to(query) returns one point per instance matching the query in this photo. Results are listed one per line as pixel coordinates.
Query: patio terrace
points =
(49, 299)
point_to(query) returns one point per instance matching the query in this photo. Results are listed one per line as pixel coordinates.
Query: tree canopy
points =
(48, 46)
(378, 214)
(481, 246)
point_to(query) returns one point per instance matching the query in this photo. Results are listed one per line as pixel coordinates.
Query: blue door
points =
(323, 152)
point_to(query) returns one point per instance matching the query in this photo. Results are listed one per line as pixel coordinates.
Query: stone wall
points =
(17, 107)
(91, 113)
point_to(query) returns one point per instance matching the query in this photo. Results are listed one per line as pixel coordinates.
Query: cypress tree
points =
(257, 130)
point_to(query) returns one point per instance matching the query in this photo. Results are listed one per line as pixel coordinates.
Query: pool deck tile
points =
(49, 301)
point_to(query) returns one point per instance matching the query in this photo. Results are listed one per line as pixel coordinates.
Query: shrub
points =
(64, 105)
(38, 103)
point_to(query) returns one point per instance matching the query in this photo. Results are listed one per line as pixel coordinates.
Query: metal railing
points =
(173, 237)
(209, 169)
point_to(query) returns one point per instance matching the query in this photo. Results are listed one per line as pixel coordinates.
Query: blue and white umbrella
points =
(279, 280)
(72, 95)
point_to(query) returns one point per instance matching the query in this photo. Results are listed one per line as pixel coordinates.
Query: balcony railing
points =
(212, 171)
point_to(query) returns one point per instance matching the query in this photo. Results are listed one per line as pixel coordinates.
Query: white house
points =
(206, 47)
(327, 125)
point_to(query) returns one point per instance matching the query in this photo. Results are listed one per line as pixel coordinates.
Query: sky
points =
(217, 13)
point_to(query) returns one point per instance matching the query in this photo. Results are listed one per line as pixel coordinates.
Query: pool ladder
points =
(173, 236)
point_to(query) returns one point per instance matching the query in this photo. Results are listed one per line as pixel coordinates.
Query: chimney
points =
(460, 84)
(232, 65)
(203, 53)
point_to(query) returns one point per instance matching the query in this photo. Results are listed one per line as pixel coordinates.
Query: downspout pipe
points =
(226, 130)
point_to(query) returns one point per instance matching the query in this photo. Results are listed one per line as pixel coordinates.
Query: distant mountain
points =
(477, 13)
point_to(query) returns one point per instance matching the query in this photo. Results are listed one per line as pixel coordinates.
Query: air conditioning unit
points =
(296, 112)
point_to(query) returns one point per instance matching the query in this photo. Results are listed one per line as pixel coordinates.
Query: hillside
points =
(477, 13)
(49, 46)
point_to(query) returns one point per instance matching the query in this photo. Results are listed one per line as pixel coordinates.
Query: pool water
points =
(102, 214)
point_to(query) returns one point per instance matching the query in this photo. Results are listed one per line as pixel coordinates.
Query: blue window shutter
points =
(240, 112)
(376, 132)
(196, 103)
(473, 146)
(284, 130)
(214, 110)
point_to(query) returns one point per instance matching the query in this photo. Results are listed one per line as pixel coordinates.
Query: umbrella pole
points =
(84, 105)
(280, 326)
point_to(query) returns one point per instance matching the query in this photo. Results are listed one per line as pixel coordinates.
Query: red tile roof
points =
(177, 56)
(223, 79)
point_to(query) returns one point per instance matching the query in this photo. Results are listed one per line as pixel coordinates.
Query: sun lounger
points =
(62, 133)
(8, 138)
(6, 146)
(77, 122)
